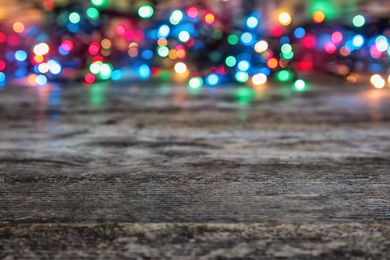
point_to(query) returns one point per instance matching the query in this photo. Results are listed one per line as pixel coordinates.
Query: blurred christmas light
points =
(212, 79)
(18, 27)
(192, 12)
(259, 79)
(318, 16)
(285, 18)
(230, 61)
(243, 65)
(195, 82)
(20, 55)
(74, 18)
(233, 39)
(180, 67)
(43, 68)
(299, 32)
(299, 84)
(337, 37)
(358, 20)
(358, 41)
(242, 76)
(41, 80)
(41, 49)
(54, 67)
(184, 36)
(176, 17)
(252, 22)
(213, 49)
(145, 11)
(377, 81)
(93, 13)
(261, 46)
(163, 31)
(144, 71)
(209, 18)
(99, 3)
(284, 75)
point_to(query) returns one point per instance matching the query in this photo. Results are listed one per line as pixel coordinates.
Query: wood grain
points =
(157, 171)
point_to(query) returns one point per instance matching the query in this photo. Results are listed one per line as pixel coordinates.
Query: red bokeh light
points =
(128, 35)
(67, 45)
(89, 78)
(330, 47)
(306, 64)
(192, 12)
(2, 37)
(97, 58)
(309, 41)
(120, 30)
(277, 31)
(2, 65)
(94, 48)
(337, 37)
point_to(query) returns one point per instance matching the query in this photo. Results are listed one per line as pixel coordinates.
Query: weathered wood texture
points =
(288, 175)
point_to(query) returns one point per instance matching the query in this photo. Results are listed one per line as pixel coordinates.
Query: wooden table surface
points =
(137, 171)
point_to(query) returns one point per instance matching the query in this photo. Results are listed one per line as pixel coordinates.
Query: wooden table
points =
(136, 170)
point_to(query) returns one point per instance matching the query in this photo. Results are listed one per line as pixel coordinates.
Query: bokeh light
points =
(377, 81)
(358, 20)
(145, 11)
(285, 18)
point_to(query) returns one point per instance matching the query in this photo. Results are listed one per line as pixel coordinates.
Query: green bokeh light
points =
(358, 20)
(145, 11)
(74, 18)
(299, 85)
(176, 17)
(105, 71)
(233, 39)
(163, 51)
(93, 13)
(242, 76)
(284, 75)
(195, 82)
(286, 48)
(230, 61)
(99, 3)
(287, 56)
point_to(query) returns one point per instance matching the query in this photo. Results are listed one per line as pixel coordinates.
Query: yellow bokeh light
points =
(18, 27)
(162, 42)
(32, 79)
(285, 18)
(261, 46)
(173, 54)
(259, 79)
(41, 49)
(180, 67)
(377, 81)
(209, 18)
(352, 79)
(106, 43)
(181, 54)
(318, 16)
(38, 58)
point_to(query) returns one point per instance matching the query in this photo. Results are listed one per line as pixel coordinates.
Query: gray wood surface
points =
(158, 171)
